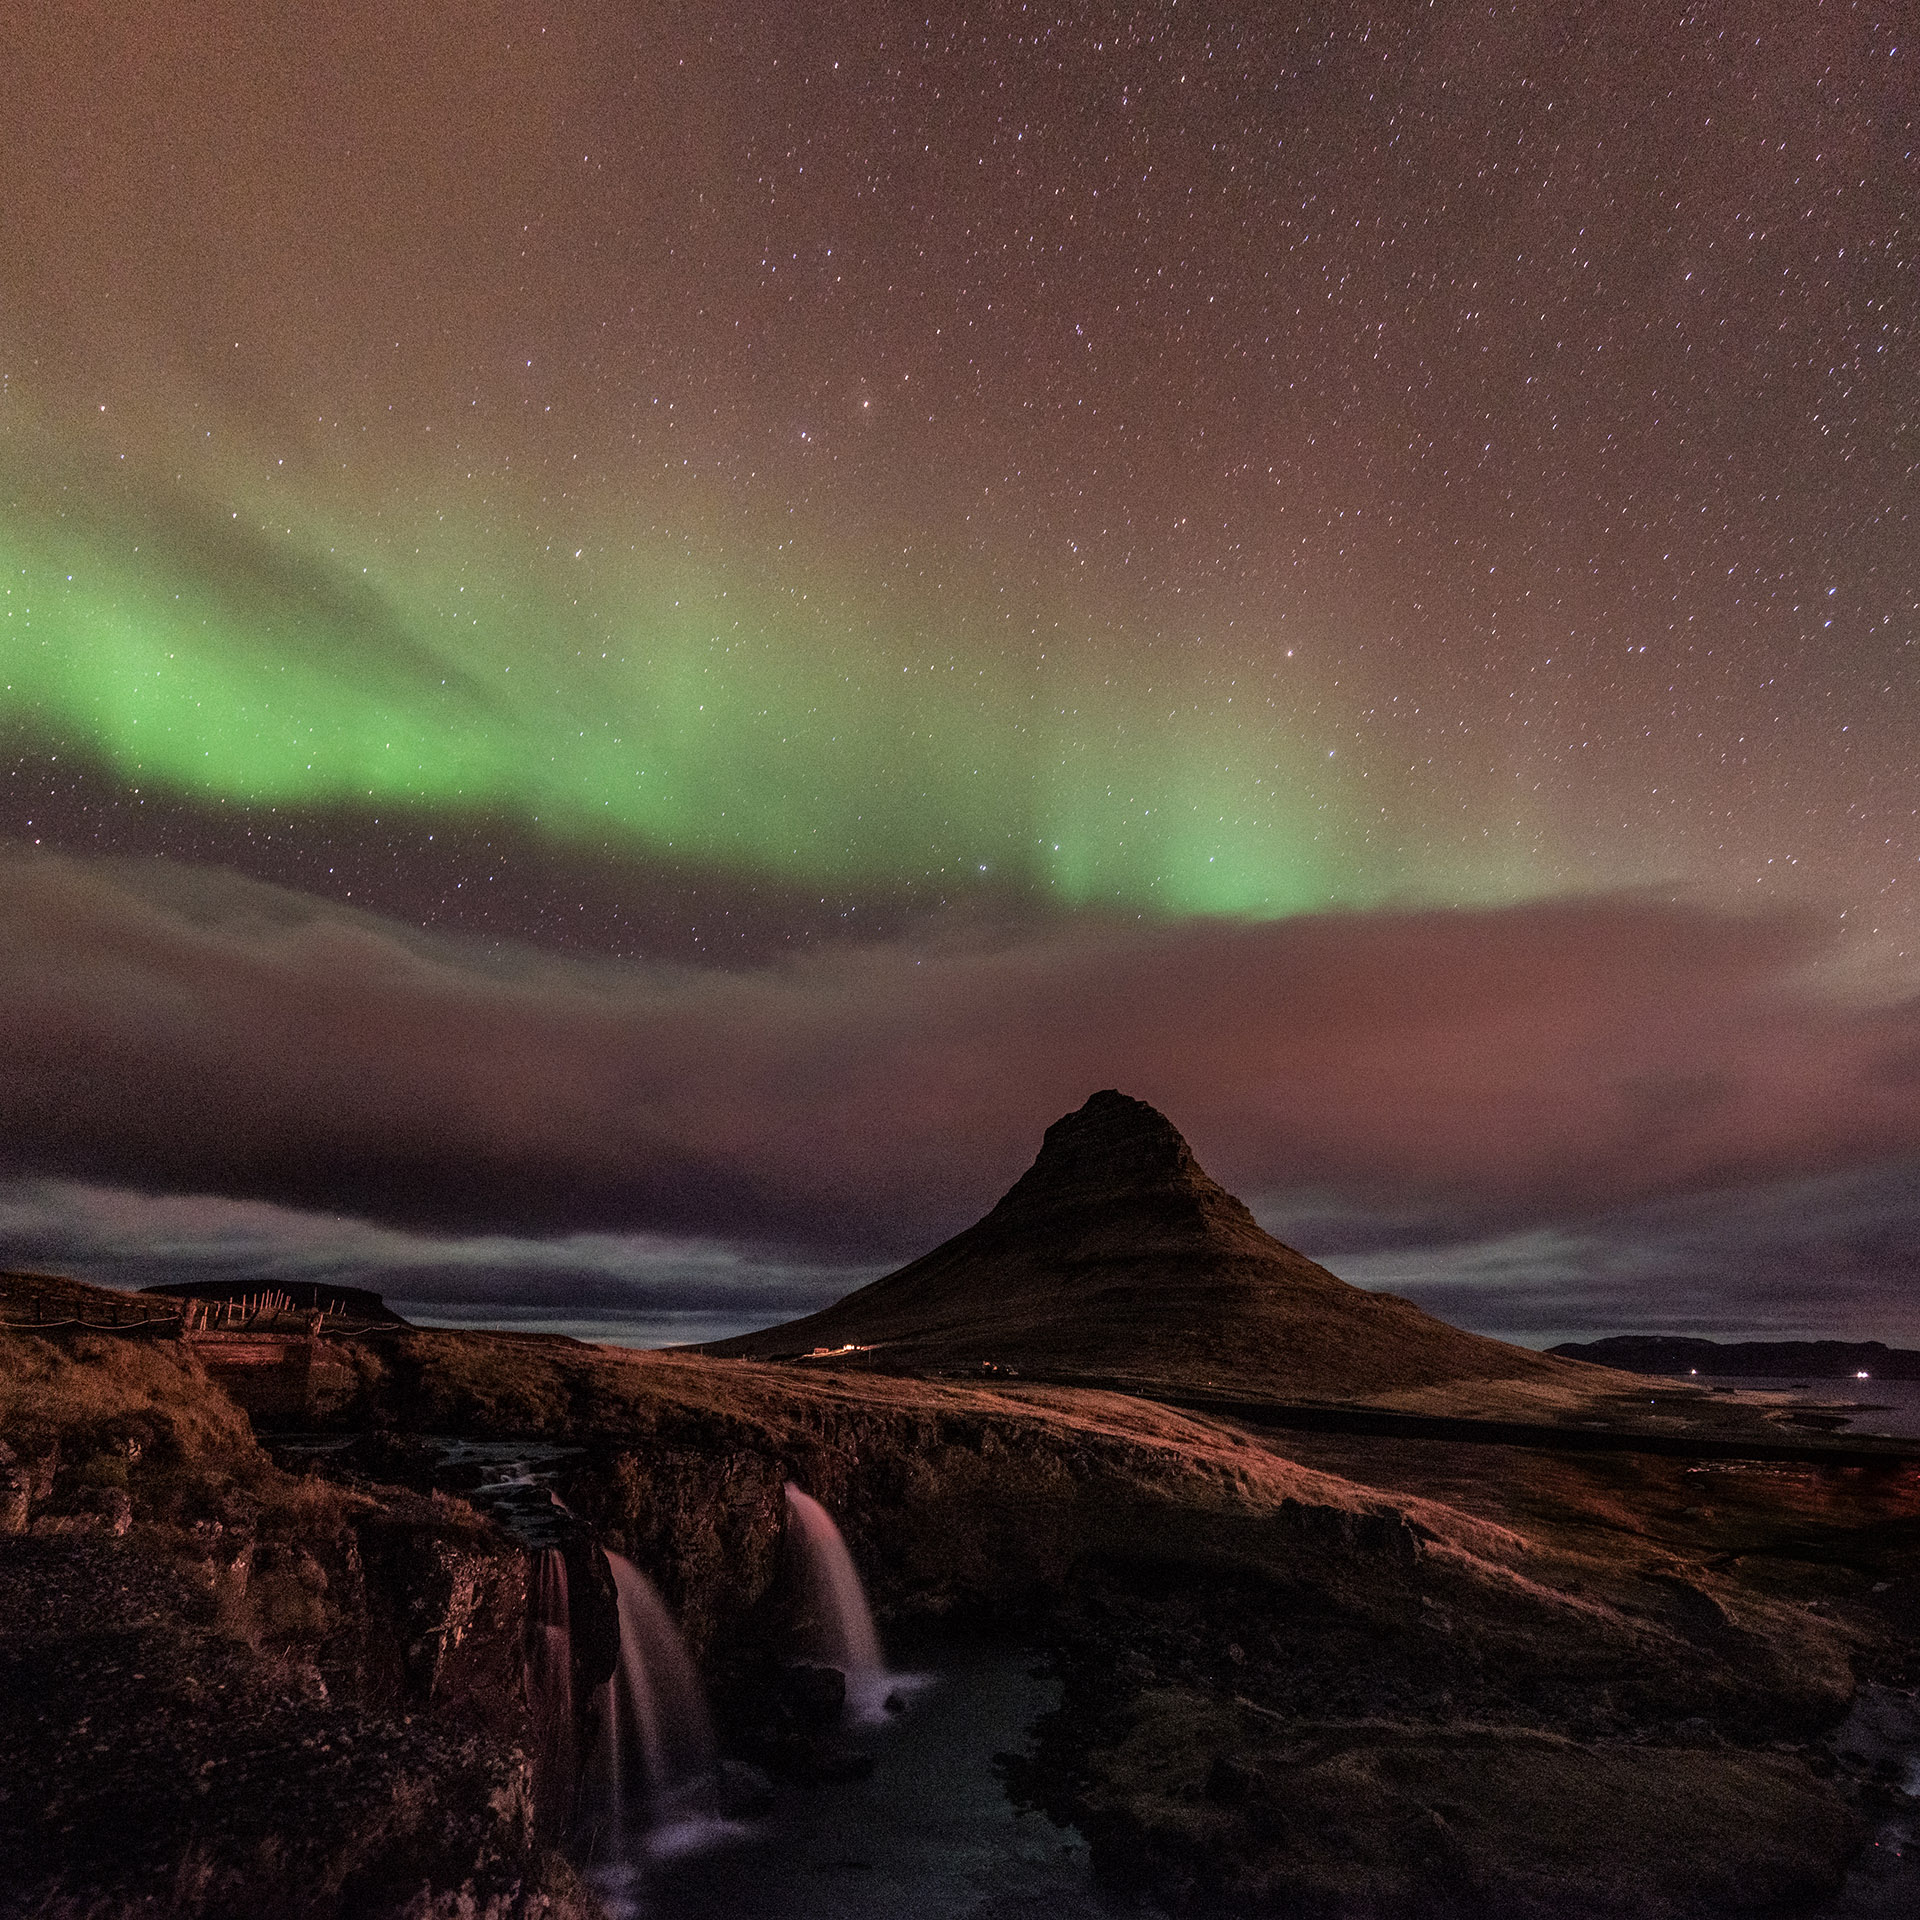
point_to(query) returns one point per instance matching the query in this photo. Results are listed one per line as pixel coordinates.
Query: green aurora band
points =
(659, 706)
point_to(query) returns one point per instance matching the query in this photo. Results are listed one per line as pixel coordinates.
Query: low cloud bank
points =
(171, 1030)
(646, 1289)
(1830, 1258)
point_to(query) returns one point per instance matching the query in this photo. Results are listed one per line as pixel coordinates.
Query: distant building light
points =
(1863, 1374)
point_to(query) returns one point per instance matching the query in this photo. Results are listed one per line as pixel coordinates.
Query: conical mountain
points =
(1115, 1256)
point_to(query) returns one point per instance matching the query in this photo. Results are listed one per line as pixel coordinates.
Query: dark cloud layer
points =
(646, 1289)
(1816, 1258)
(175, 1030)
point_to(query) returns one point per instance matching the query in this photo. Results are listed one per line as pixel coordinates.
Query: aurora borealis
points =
(718, 726)
(734, 513)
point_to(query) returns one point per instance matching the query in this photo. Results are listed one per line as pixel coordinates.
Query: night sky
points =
(635, 640)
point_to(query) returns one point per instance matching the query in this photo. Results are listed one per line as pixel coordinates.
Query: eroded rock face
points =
(1357, 1731)
(156, 1752)
(224, 1691)
(705, 1521)
(435, 1591)
(1220, 1813)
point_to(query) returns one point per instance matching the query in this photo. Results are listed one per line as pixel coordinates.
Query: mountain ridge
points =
(1750, 1359)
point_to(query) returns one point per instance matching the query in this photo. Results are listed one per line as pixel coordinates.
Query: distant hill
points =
(1116, 1257)
(1754, 1359)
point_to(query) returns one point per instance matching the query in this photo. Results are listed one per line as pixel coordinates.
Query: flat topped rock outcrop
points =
(1116, 1256)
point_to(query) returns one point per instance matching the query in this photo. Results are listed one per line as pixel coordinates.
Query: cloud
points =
(1835, 1257)
(172, 1030)
(627, 1285)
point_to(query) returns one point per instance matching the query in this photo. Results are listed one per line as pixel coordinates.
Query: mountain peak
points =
(1114, 1148)
(1115, 1257)
(1111, 1127)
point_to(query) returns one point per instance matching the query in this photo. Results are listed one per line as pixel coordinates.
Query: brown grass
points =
(93, 1392)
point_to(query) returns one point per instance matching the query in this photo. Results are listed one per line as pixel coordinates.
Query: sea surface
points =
(1889, 1407)
(646, 1330)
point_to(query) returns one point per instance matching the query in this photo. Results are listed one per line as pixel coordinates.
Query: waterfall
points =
(657, 1694)
(836, 1625)
(550, 1682)
(650, 1784)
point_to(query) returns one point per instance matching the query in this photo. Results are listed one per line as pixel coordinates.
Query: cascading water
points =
(650, 1782)
(667, 1708)
(550, 1681)
(836, 1625)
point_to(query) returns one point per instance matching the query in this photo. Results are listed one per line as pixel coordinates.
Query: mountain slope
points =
(1116, 1256)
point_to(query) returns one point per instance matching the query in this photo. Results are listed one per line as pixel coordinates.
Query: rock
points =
(816, 1696)
(594, 1612)
(1286, 1687)
(1389, 1536)
(439, 1587)
(40, 1473)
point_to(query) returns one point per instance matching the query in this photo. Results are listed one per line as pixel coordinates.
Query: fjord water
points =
(1875, 1407)
(1890, 1407)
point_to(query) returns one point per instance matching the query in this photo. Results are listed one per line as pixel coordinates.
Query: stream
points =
(929, 1833)
(1880, 1739)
